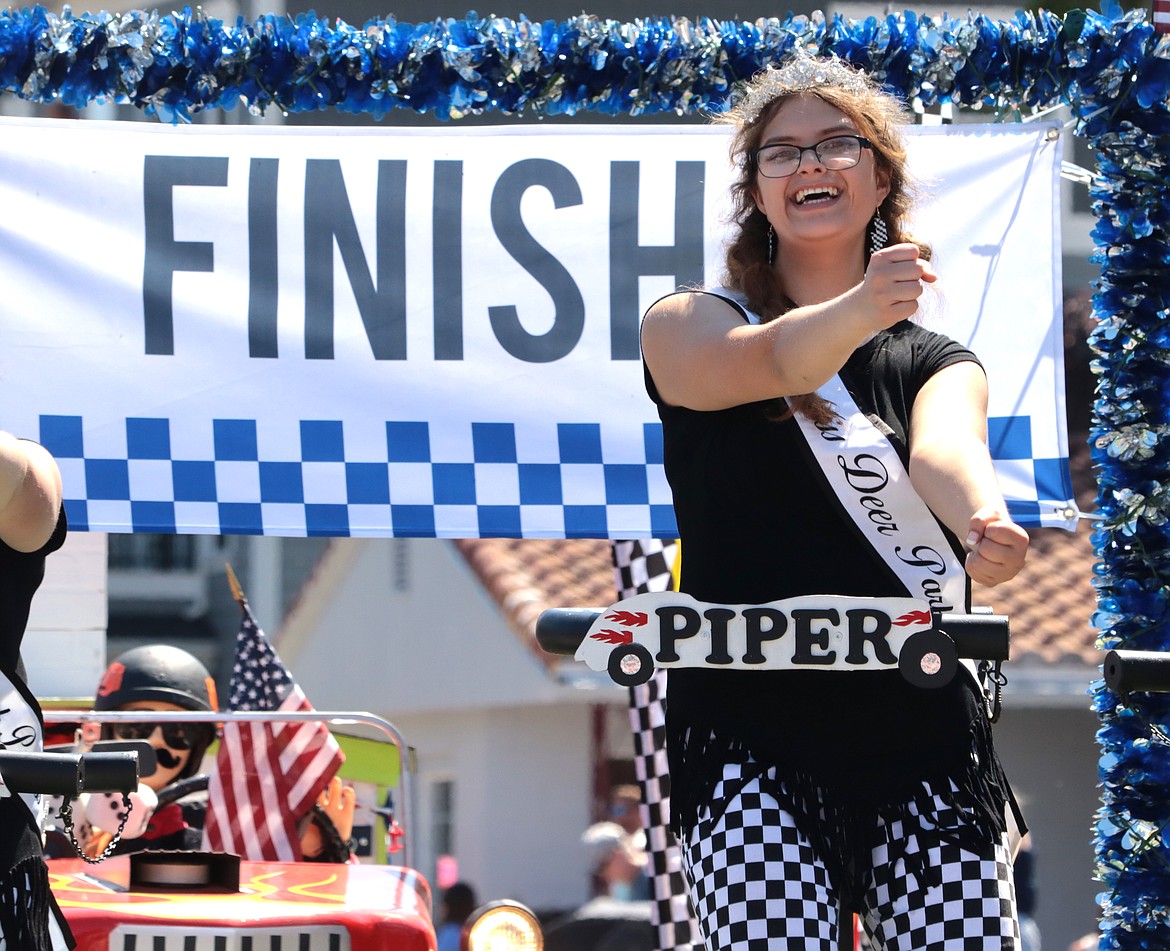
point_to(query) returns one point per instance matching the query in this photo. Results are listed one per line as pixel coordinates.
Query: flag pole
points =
(234, 584)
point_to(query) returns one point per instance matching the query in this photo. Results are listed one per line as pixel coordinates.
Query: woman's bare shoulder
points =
(701, 306)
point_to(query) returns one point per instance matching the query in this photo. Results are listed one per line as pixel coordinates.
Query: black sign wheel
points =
(630, 665)
(929, 659)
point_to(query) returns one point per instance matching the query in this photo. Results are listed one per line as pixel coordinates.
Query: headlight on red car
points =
(502, 926)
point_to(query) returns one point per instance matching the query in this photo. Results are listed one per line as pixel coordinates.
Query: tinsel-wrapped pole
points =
(1126, 121)
(1109, 67)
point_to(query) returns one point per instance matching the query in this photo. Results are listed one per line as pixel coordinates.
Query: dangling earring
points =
(878, 234)
(771, 243)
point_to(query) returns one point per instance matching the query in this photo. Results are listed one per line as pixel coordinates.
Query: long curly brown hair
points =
(877, 115)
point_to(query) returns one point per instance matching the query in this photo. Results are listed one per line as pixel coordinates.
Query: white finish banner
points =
(435, 333)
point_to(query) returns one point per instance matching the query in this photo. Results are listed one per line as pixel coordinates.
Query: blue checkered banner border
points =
(562, 487)
(435, 333)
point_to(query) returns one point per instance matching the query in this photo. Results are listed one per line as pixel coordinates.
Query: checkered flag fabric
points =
(639, 567)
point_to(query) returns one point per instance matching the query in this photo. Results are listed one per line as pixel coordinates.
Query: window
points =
(163, 574)
(441, 841)
(152, 552)
(443, 817)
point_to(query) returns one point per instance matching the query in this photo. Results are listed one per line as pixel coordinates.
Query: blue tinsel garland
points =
(1109, 67)
(175, 65)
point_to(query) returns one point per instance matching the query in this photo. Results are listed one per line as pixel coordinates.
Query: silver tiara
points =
(800, 73)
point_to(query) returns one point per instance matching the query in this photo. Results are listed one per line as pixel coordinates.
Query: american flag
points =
(1161, 16)
(267, 775)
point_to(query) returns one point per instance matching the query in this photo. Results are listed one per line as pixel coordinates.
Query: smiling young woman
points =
(854, 791)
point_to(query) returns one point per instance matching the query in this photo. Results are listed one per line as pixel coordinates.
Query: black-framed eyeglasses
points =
(178, 736)
(834, 153)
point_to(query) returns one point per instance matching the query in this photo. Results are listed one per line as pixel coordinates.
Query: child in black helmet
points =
(169, 808)
(163, 814)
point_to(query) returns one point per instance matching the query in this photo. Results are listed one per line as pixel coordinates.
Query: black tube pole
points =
(69, 774)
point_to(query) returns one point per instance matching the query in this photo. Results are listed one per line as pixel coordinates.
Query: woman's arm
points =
(30, 493)
(703, 355)
(951, 469)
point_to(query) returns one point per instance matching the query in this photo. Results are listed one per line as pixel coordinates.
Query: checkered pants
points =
(756, 883)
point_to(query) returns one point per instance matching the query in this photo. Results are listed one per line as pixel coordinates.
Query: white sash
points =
(866, 474)
(20, 732)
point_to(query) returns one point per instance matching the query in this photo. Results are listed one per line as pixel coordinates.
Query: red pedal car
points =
(199, 901)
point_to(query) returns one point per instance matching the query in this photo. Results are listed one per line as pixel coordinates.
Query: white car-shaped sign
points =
(813, 632)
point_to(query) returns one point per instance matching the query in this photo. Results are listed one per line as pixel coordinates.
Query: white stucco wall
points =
(406, 626)
(522, 798)
(64, 647)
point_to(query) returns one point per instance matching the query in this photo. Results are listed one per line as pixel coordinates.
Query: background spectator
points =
(459, 902)
(618, 865)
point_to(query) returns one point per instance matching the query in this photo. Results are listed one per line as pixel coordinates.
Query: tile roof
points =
(1049, 602)
(526, 576)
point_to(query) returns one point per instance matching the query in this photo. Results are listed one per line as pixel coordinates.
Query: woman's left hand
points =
(997, 546)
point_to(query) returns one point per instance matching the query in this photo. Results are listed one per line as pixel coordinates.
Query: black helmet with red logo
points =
(156, 672)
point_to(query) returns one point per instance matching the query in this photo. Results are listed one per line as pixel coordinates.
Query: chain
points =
(994, 681)
(66, 813)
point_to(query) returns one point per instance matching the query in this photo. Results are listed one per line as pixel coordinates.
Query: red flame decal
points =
(632, 618)
(613, 637)
(914, 617)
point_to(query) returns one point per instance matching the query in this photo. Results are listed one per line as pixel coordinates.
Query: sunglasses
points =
(178, 736)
